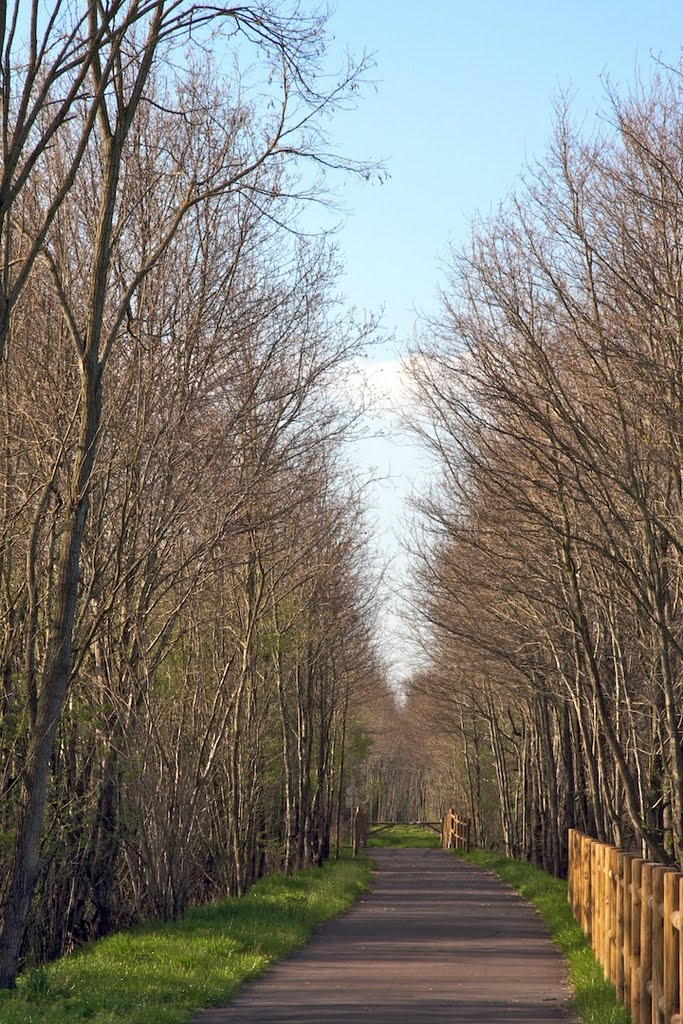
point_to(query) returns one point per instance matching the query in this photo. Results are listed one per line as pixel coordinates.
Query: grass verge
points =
(163, 973)
(405, 835)
(594, 998)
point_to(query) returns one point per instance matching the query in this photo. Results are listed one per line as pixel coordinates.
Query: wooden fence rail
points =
(455, 832)
(631, 910)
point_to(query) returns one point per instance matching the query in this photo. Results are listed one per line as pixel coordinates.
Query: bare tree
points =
(550, 390)
(110, 146)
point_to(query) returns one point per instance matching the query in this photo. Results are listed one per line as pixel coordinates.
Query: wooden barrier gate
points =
(455, 832)
(631, 910)
(381, 826)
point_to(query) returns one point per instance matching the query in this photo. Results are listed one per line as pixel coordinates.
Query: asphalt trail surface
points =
(434, 940)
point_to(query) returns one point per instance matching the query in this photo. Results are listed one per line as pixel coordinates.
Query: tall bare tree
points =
(113, 142)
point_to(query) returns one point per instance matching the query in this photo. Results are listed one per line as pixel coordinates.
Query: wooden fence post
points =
(613, 897)
(595, 897)
(626, 946)
(658, 874)
(586, 890)
(645, 994)
(447, 829)
(670, 1004)
(636, 917)
(580, 872)
(621, 899)
(605, 910)
(576, 872)
(359, 830)
(609, 908)
(571, 872)
(680, 950)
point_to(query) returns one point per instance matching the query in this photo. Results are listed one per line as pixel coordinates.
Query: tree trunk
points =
(25, 862)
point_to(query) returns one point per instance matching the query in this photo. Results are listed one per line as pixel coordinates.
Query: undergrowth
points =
(163, 973)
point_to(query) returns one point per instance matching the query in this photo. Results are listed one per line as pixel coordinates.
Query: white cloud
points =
(383, 386)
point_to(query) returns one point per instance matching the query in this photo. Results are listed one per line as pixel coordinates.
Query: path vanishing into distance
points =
(434, 940)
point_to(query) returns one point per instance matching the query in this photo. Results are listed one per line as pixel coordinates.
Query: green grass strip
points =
(405, 836)
(163, 973)
(594, 998)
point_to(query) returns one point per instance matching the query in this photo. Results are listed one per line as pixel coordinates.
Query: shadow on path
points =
(434, 940)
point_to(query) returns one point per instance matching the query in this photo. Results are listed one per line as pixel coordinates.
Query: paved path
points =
(435, 940)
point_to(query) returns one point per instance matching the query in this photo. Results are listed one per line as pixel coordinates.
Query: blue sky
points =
(463, 97)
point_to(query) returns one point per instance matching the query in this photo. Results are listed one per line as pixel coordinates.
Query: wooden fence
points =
(630, 909)
(455, 832)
